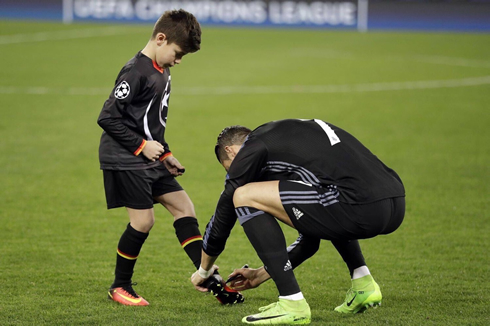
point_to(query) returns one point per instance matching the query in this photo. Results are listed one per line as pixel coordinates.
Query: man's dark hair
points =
(233, 135)
(180, 27)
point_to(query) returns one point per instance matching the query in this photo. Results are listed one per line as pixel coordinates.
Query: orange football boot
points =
(126, 296)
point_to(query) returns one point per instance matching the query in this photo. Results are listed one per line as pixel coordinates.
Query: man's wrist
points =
(204, 273)
(263, 275)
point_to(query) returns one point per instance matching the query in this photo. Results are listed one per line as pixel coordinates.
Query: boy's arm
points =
(172, 164)
(122, 134)
(111, 115)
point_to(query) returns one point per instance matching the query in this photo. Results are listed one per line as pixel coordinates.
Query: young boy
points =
(138, 166)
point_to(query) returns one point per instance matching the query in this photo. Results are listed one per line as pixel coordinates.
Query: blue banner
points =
(221, 12)
(443, 15)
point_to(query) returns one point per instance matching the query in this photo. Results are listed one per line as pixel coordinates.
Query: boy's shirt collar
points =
(155, 65)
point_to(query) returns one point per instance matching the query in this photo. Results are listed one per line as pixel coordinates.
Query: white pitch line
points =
(274, 89)
(428, 59)
(64, 35)
(450, 61)
(346, 88)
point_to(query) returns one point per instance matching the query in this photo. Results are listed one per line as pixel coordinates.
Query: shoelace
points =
(350, 294)
(130, 290)
(272, 305)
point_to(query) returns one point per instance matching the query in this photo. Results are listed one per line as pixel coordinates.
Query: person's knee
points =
(241, 197)
(185, 209)
(143, 223)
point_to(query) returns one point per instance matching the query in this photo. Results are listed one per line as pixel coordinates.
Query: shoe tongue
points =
(130, 290)
(218, 277)
(362, 282)
(272, 305)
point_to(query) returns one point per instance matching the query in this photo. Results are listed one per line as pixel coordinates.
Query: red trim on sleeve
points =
(164, 156)
(157, 67)
(138, 151)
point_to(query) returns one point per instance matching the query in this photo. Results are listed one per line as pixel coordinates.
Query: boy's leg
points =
(129, 247)
(186, 227)
(129, 188)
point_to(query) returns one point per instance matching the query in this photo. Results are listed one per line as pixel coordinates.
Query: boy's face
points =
(167, 54)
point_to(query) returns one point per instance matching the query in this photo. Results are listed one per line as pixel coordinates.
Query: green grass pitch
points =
(420, 101)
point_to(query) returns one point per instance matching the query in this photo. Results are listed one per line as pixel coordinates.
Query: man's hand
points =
(199, 277)
(152, 150)
(174, 166)
(248, 278)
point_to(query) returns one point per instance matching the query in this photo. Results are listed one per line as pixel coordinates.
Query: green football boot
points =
(284, 312)
(364, 293)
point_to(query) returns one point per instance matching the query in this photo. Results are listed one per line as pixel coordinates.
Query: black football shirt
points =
(135, 112)
(310, 151)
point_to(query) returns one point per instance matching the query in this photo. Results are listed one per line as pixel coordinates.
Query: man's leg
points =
(268, 240)
(265, 196)
(350, 251)
(364, 291)
(129, 247)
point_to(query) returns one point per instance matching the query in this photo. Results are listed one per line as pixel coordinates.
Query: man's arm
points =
(206, 269)
(299, 251)
(246, 168)
(247, 165)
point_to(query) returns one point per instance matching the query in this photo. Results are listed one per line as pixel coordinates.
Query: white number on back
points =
(334, 139)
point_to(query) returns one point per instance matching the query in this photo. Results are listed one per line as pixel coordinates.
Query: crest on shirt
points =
(122, 90)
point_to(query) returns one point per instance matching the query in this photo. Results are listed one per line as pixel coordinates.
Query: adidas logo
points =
(297, 213)
(288, 266)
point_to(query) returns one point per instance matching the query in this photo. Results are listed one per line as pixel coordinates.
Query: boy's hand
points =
(152, 150)
(174, 166)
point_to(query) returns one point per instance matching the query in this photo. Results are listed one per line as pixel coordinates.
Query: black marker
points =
(234, 277)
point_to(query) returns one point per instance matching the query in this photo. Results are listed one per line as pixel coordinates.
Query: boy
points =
(138, 166)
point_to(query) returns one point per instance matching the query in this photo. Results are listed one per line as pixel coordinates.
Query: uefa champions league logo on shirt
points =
(122, 90)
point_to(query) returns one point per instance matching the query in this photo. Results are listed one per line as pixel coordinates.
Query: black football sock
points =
(303, 248)
(351, 253)
(267, 238)
(128, 251)
(187, 231)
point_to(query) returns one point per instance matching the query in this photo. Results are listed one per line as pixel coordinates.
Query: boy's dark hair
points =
(180, 27)
(233, 135)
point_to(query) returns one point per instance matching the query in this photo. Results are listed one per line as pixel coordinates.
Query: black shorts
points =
(137, 188)
(317, 212)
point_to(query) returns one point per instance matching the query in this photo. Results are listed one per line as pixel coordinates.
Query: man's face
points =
(226, 164)
(168, 54)
(231, 151)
